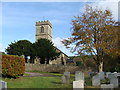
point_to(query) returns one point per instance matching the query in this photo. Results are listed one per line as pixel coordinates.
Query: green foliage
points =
(105, 81)
(45, 50)
(78, 63)
(12, 65)
(113, 65)
(21, 47)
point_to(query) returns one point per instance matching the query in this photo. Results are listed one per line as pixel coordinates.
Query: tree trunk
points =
(42, 61)
(101, 67)
(26, 59)
(47, 61)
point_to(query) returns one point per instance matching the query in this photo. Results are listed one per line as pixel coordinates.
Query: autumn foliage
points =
(12, 66)
(94, 33)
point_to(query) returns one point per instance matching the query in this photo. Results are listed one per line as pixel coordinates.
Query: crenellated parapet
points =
(43, 23)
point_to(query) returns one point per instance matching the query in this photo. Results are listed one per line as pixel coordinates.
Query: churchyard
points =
(40, 64)
(80, 80)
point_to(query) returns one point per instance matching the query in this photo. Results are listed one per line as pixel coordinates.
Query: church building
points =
(44, 30)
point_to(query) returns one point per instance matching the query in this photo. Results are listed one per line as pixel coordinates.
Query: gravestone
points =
(78, 85)
(91, 74)
(114, 81)
(63, 79)
(101, 75)
(96, 80)
(3, 84)
(107, 73)
(110, 75)
(107, 87)
(66, 77)
(67, 74)
(118, 80)
(79, 76)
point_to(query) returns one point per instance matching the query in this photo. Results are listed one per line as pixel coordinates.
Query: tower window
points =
(42, 30)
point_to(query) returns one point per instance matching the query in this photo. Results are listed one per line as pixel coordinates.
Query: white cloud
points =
(112, 5)
(57, 42)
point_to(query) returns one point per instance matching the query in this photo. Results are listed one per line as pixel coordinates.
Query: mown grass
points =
(44, 82)
(37, 82)
(57, 74)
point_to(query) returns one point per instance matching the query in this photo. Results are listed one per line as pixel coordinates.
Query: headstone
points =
(114, 81)
(101, 75)
(78, 85)
(67, 74)
(111, 75)
(66, 77)
(91, 74)
(63, 79)
(79, 76)
(3, 84)
(107, 73)
(107, 87)
(118, 80)
(96, 80)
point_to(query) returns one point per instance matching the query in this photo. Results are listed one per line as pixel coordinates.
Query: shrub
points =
(78, 63)
(12, 66)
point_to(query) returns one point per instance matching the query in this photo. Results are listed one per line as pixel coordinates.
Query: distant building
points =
(44, 30)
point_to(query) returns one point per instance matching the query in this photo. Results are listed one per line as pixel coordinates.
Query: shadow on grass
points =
(59, 83)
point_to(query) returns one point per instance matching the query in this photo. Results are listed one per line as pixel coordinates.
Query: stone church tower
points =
(43, 30)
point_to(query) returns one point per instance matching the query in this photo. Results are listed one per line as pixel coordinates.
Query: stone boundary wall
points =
(51, 68)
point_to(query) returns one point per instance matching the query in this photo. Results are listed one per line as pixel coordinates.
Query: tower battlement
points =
(44, 30)
(44, 23)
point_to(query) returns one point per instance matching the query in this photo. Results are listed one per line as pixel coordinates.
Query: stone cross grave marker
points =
(96, 80)
(78, 85)
(79, 76)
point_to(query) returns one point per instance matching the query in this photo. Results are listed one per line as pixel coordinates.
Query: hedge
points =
(12, 65)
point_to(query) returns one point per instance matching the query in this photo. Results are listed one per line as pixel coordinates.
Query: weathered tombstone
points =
(118, 80)
(63, 79)
(96, 80)
(67, 74)
(101, 75)
(110, 75)
(114, 81)
(91, 74)
(107, 73)
(78, 85)
(107, 87)
(3, 84)
(79, 76)
(66, 77)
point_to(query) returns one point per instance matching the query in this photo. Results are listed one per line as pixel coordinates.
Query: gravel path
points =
(31, 74)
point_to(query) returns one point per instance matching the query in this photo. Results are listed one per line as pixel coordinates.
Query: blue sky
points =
(18, 20)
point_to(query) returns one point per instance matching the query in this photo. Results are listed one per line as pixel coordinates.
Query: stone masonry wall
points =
(51, 68)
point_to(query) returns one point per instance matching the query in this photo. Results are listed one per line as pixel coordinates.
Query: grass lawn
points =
(37, 82)
(43, 82)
